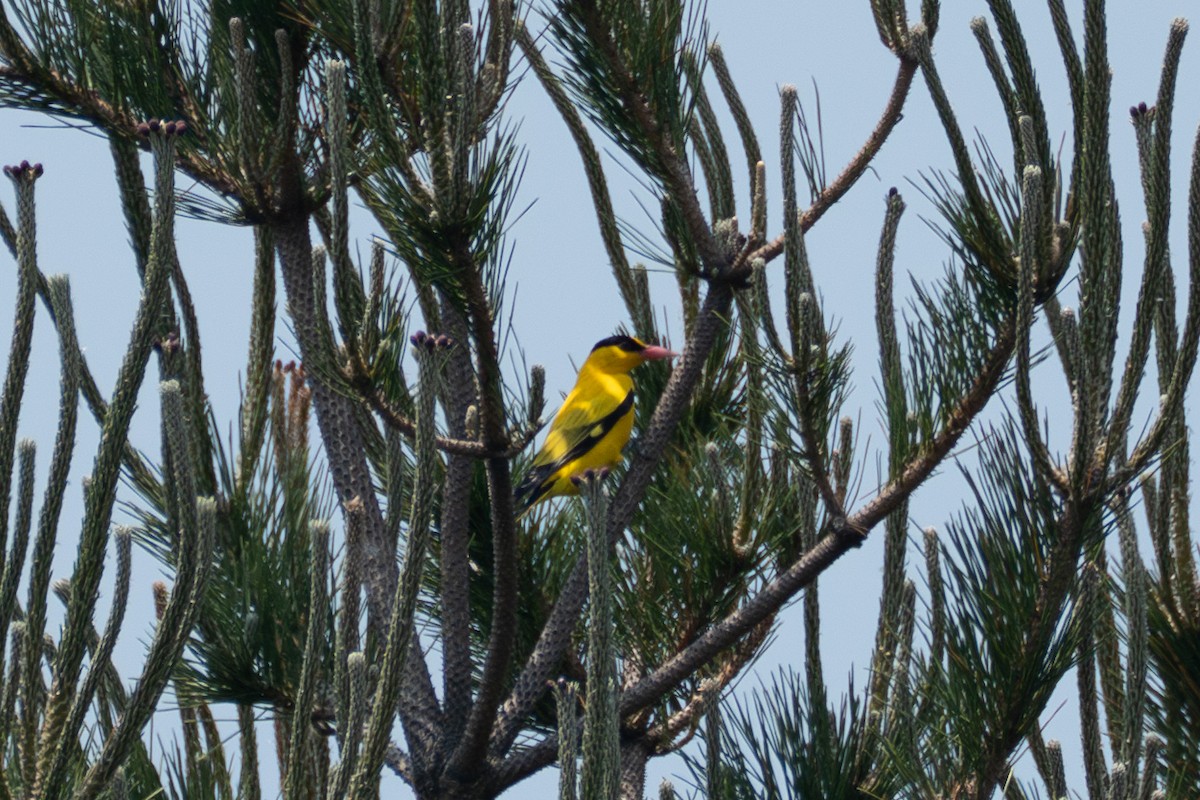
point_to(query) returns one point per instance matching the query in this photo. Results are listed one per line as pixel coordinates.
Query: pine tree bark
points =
(346, 455)
(634, 756)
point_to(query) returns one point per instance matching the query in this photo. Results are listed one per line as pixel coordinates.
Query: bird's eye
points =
(631, 345)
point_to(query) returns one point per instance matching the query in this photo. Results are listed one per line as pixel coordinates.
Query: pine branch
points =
(716, 57)
(100, 499)
(459, 398)
(556, 634)
(856, 167)
(843, 536)
(1099, 271)
(1189, 344)
(52, 507)
(601, 734)
(672, 169)
(54, 780)
(566, 696)
(1031, 215)
(23, 177)
(169, 640)
(402, 646)
(298, 779)
(249, 787)
(472, 749)
(1093, 761)
(14, 565)
(1157, 177)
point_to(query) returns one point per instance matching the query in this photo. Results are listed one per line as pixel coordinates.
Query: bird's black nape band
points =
(626, 343)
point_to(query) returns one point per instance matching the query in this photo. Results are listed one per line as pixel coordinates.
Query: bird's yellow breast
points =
(595, 397)
(594, 423)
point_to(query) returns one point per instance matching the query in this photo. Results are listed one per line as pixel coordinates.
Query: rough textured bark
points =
(469, 758)
(346, 454)
(455, 539)
(557, 633)
(634, 756)
(336, 417)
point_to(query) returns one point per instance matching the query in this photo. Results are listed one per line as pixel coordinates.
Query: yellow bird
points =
(594, 422)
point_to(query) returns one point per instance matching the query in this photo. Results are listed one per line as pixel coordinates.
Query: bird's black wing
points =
(581, 438)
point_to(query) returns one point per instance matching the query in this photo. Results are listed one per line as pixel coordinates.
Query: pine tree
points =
(314, 576)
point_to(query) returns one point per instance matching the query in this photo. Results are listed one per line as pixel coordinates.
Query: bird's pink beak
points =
(653, 352)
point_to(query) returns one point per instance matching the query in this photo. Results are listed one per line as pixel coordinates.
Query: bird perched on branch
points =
(594, 422)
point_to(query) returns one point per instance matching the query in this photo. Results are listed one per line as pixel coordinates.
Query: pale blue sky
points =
(565, 297)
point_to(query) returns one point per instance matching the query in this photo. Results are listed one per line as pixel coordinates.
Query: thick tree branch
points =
(556, 635)
(662, 735)
(843, 536)
(469, 756)
(634, 755)
(338, 424)
(455, 533)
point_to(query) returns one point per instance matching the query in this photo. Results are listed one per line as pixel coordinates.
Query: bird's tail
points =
(533, 488)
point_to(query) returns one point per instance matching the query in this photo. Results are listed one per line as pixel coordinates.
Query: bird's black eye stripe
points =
(626, 343)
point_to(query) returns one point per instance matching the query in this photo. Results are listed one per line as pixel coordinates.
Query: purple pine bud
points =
(170, 342)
